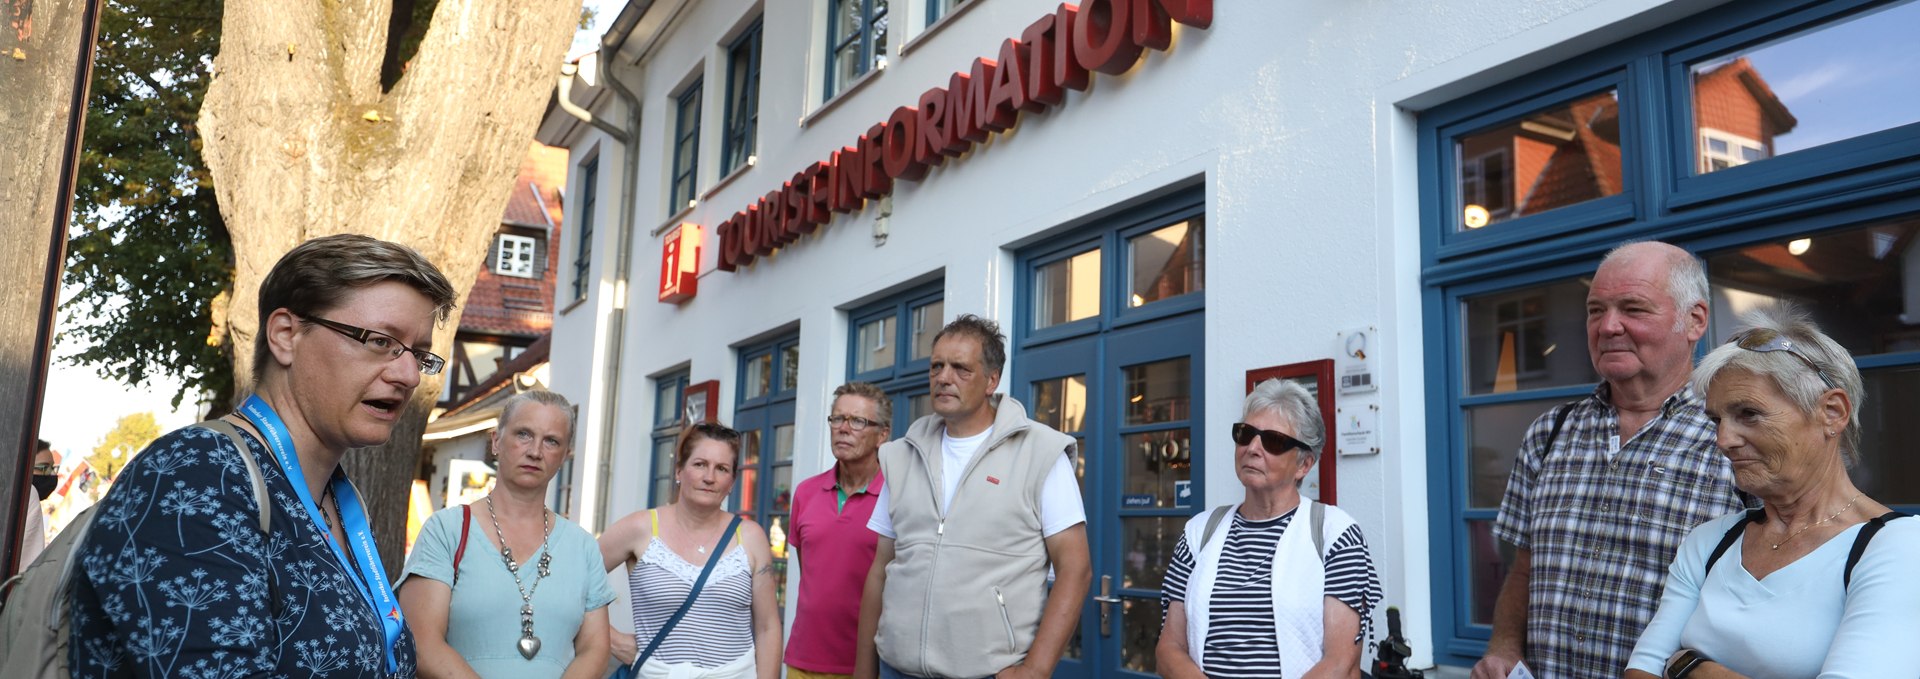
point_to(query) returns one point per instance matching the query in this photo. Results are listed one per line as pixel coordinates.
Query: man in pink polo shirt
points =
(830, 535)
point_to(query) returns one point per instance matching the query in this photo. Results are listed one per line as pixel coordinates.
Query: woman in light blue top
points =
(1818, 582)
(527, 596)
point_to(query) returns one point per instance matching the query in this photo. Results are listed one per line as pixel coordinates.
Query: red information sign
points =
(680, 264)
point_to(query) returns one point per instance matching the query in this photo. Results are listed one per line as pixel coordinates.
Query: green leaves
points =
(148, 253)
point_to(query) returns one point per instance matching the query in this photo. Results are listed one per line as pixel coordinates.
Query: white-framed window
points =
(514, 257)
(1720, 150)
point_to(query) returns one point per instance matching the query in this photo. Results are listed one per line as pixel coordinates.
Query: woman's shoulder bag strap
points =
(466, 518)
(1860, 541)
(253, 469)
(667, 627)
(1726, 541)
(1213, 522)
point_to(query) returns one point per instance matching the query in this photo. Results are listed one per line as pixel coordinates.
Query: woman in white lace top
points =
(732, 629)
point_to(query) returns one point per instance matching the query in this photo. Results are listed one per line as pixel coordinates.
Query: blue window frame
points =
(856, 41)
(891, 342)
(583, 243)
(1819, 219)
(1108, 332)
(686, 148)
(669, 416)
(940, 8)
(763, 413)
(743, 100)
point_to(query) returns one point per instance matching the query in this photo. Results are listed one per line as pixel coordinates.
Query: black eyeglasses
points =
(1768, 340)
(385, 344)
(1273, 442)
(854, 422)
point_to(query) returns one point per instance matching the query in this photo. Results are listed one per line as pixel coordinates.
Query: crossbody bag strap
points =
(466, 519)
(692, 594)
(1213, 522)
(1317, 515)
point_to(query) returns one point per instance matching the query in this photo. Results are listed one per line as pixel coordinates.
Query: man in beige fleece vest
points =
(978, 502)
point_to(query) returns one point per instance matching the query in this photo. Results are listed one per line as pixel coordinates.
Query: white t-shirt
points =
(1060, 505)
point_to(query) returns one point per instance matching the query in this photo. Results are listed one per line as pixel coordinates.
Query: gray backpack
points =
(34, 626)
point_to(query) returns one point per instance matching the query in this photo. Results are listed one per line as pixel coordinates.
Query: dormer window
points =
(514, 257)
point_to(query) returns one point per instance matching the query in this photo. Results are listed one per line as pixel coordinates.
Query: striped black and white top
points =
(717, 630)
(1240, 634)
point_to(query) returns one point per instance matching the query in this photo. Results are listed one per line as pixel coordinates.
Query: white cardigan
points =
(1298, 606)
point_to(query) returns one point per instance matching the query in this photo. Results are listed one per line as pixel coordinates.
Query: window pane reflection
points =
(1528, 338)
(1067, 290)
(1862, 285)
(1140, 621)
(744, 485)
(663, 450)
(1488, 559)
(1834, 82)
(1149, 548)
(1560, 156)
(1159, 392)
(918, 406)
(1060, 403)
(789, 367)
(782, 488)
(1888, 471)
(783, 443)
(876, 347)
(1493, 436)
(759, 378)
(1154, 462)
(1166, 262)
(927, 321)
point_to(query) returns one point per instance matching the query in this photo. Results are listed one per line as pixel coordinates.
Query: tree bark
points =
(46, 50)
(303, 142)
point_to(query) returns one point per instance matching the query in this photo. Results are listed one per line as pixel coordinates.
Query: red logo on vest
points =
(993, 481)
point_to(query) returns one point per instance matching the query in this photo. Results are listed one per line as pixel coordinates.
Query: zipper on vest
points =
(1004, 618)
(940, 529)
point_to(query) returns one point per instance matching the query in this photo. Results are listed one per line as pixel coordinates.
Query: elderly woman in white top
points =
(1820, 580)
(1248, 596)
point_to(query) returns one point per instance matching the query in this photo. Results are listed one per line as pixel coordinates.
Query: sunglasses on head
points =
(1768, 340)
(1273, 442)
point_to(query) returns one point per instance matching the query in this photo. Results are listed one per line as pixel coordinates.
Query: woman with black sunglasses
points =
(1242, 579)
(729, 626)
(1819, 580)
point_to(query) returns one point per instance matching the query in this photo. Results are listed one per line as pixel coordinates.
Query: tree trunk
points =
(302, 142)
(46, 54)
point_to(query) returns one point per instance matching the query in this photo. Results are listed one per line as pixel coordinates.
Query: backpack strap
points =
(253, 469)
(1213, 521)
(1317, 514)
(466, 519)
(1560, 413)
(1726, 541)
(1860, 541)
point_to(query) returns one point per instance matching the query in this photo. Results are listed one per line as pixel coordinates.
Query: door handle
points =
(1107, 601)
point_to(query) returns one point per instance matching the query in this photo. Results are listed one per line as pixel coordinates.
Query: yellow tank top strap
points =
(655, 515)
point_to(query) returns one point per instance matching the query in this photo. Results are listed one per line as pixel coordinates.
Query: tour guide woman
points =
(176, 577)
(1250, 597)
(1786, 596)
(504, 587)
(732, 629)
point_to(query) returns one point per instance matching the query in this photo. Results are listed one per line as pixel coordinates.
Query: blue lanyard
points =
(373, 584)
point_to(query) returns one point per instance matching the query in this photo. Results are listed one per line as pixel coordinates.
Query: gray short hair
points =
(1289, 400)
(1686, 279)
(1802, 386)
(315, 276)
(545, 398)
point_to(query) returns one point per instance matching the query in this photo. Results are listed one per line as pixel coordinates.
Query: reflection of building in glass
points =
(1561, 156)
(1737, 115)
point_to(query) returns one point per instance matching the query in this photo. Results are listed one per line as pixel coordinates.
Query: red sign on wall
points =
(680, 264)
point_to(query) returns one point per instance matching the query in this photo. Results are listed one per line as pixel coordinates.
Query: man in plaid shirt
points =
(1597, 508)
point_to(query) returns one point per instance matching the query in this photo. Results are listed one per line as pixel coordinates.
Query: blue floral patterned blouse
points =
(176, 580)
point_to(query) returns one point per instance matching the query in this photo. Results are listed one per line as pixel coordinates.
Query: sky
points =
(82, 406)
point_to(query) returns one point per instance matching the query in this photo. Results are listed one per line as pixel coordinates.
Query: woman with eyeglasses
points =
(1276, 567)
(727, 628)
(1819, 581)
(185, 573)
(505, 587)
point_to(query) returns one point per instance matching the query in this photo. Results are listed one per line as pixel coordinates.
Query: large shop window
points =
(1108, 337)
(737, 146)
(686, 149)
(669, 416)
(769, 375)
(856, 41)
(1773, 139)
(891, 347)
(589, 188)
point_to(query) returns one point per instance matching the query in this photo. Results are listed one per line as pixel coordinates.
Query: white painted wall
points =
(1297, 115)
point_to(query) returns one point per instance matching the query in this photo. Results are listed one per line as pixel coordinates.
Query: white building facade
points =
(1396, 201)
